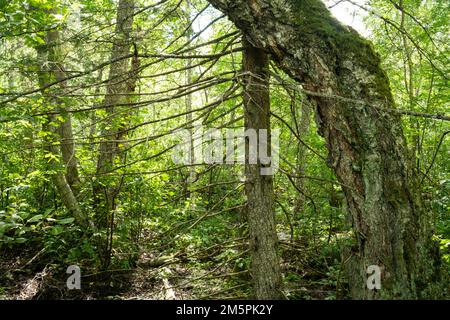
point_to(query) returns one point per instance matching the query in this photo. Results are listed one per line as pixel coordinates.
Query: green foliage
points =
(159, 210)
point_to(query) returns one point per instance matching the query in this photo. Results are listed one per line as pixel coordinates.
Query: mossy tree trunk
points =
(265, 265)
(58, 130)
(65, 131)
(366, 146)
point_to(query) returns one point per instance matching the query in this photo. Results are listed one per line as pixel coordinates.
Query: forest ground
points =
(31, 274)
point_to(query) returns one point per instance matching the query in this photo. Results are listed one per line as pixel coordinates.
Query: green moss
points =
(317, 27)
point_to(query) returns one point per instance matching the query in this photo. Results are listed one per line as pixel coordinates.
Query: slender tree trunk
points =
(265, 265)
(121, 83)
(106, 188)
(68, 153)
(67, 180)
(65, 129)
(366, 146)
(302, 155)
(188, 101)
(412, 92)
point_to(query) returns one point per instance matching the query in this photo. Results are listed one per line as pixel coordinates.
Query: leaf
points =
(34, 174)
(51, 157)
(24, 214)
(66, 220)
(35, 218)
(56, 230)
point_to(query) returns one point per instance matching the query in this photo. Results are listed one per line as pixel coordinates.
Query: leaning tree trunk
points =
(57, 73)
(265, 265)
(67, 183)
(65, 128)
(366, 145)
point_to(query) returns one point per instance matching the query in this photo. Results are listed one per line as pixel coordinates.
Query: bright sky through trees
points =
(349, 13)
(346, 12)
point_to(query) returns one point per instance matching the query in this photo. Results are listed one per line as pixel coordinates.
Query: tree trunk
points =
(189, 116)
(53, 70)
(366, 146)
(121, 83)
(65, 128)
(68, 153)
(107, 187)
(302, 154)
(265, 265)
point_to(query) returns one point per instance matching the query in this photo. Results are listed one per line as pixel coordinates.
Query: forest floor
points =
(31, 274)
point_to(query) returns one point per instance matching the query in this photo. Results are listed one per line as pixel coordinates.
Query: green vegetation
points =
(171, 231)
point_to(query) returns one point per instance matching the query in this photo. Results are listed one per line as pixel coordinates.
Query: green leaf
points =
(66, 221)
(56, 230)
(35, 218)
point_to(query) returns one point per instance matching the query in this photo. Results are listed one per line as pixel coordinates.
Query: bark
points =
(366, 147)
(68, 153)
(66, 183)
(265, 265)
(65, 128)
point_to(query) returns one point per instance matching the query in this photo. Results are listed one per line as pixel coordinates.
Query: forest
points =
(224, 150)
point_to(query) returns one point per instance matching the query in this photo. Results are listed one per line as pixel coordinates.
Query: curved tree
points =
(341, 74)
(66, 181)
